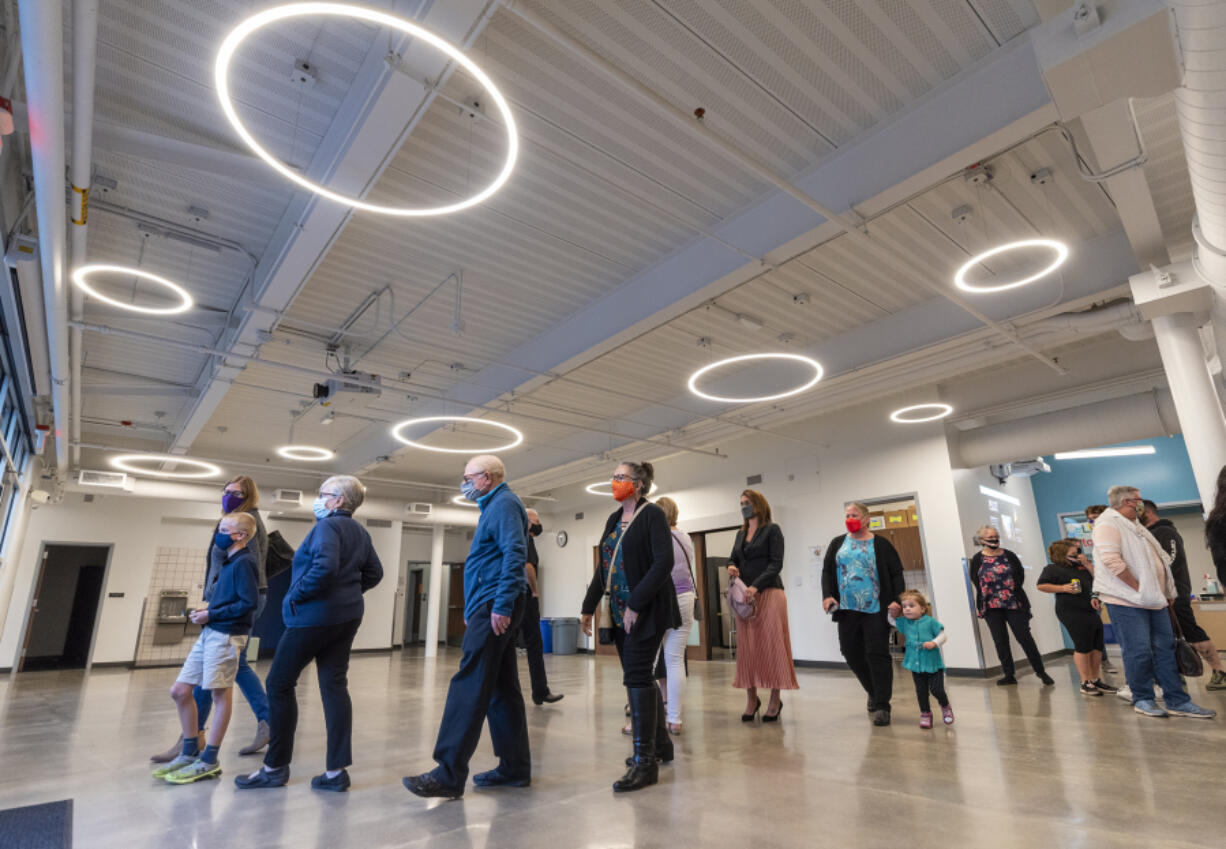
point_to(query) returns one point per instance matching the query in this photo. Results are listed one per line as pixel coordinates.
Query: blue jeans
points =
(1148, 643)
(246, 679)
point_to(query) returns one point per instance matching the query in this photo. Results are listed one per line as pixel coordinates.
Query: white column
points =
(1196, 402)
(435, 599)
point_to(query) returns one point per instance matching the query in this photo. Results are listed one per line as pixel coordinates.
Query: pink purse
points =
(743, 608)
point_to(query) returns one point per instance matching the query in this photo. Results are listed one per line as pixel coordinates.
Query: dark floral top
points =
(619, 590)
(996, 585)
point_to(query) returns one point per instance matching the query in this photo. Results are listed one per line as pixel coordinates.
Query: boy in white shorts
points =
(231, 597)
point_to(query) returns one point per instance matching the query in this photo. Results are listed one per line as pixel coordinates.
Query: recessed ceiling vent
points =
(114, 480)
(418, 508)
(753, 480)
(287, 496)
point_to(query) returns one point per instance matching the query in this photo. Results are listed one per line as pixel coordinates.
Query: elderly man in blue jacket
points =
(487, 683)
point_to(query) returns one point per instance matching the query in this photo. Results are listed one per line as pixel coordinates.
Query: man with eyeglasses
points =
(1132, 576)
(487, 683)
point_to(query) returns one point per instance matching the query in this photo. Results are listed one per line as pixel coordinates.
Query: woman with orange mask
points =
(635, 577)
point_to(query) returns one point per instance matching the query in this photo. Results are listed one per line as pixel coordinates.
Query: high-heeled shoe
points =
(750, 717)
(773, 717)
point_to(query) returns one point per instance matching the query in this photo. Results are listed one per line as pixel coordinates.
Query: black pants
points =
(930, 681)
(485, 686)
(531, 632)
(1018, 621)
(638, 657)
(328, 646)
(864, 639)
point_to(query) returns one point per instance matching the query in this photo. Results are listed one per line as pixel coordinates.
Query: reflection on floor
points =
(1024, 766)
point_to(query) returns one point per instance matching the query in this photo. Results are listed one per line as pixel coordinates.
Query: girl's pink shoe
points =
(947, 714)
(925, 720)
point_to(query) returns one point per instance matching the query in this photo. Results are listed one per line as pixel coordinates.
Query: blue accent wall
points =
(1163, 477)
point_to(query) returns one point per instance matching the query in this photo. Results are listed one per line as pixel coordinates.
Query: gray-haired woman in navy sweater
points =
(333, 567)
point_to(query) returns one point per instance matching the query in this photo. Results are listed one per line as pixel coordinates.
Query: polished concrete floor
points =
(1025, 766)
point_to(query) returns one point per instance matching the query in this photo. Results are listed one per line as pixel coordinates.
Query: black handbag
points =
(1186, 658)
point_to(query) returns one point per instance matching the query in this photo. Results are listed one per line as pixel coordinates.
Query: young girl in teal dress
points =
(924, 636)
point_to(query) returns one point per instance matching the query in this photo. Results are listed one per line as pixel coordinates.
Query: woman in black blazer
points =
(643, 604)
(1000, 600)
(861, 581)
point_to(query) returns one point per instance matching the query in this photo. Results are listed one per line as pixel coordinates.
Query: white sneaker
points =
(1124, 693)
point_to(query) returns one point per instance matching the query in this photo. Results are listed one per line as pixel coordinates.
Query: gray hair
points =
(1117, 495)
(353, 493)
(492, 466)
(644, 474)
(979, 533)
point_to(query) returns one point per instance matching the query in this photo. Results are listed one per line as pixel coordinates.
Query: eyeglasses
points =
(622, 478)
(474, 476)
(323, 494)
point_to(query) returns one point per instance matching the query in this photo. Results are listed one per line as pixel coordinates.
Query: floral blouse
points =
(996, 584)
(619, 590)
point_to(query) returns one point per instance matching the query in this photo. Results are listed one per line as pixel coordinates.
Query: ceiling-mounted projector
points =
(338, 393)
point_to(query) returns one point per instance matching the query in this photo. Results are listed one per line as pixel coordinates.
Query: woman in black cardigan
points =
(1000, 600)
(638, 545)
(861, 581)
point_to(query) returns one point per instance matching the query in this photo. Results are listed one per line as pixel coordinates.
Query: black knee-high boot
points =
(664, 743)
(644, 771)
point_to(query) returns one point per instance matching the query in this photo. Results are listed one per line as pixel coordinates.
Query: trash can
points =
(547, 635)
(565, 635)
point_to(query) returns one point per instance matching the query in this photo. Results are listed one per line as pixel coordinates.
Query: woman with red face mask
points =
(636, 564)
(763, 642)
(861, 581)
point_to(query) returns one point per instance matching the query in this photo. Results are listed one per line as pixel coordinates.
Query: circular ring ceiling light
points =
(221, 80)
(927, 413)
(127, 463)
(818, 371)
(517, 436)
(80, 277)
(306, 453)
(463, 502)
(1059, 248)
(608, 488)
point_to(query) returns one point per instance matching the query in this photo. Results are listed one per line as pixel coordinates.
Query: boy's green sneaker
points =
(194, 771)
(177, 764)
(1217, 682)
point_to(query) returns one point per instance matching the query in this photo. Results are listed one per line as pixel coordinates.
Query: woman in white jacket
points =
(1132, 576)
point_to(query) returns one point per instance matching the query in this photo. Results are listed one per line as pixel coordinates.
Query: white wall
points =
(134, 527)
(863, 456)
(177, 515)
(1023, 538)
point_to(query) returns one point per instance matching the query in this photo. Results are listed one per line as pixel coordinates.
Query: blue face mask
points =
(231, 501)
(222, 540)
(319, 508)
(469, 490)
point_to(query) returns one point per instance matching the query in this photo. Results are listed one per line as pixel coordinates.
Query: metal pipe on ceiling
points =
(693, 124)
(84, 51)
(357, 381)
(42, 41)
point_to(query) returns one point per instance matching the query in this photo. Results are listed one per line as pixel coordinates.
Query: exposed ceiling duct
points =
(1142, 416)
(42, 35)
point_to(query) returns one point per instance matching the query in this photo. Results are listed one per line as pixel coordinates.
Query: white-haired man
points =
(487, 682)
(1132, 575)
